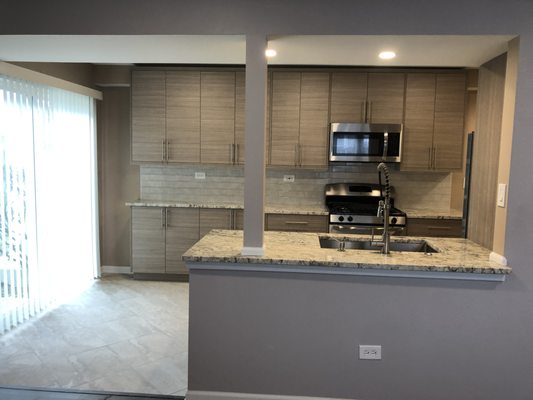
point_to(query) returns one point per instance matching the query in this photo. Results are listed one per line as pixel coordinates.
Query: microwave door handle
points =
(385, 145)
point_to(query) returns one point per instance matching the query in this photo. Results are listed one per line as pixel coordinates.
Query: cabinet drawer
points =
(434, 227)
(297, 223)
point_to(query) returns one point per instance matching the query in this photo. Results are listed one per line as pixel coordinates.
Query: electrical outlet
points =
(369, 352)
(288, 178)
(199, 175)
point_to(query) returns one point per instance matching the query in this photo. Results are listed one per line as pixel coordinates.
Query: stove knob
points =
(350, 219)
(393, 220)
(341, 218)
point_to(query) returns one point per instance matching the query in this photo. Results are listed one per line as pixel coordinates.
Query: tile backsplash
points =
(417, 191)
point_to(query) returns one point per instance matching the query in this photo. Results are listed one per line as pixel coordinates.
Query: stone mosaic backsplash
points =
(422, 191)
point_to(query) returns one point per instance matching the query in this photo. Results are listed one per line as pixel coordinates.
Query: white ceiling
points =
(422, 51)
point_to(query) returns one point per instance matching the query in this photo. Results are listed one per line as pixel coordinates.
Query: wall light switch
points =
(502, 192)
(199, 175)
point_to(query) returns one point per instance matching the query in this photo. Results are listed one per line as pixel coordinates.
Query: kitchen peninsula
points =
(300, 252)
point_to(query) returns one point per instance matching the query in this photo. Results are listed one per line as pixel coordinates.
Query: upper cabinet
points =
(198, 115)
(434, 121)
(188, 116)
(148, 116)
(299, 118)
(367, 97)
(183, 116)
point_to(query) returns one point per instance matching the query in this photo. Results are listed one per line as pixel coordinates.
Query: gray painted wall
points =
(476, 337)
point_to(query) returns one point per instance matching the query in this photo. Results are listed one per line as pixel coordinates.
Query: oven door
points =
(365, 229)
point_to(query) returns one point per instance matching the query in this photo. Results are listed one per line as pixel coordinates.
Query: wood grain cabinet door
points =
(183, 116)
(148, 239)
(211, 218)
(348, 96)
(449, 121)
(240, 78)
(419, 117)
(285, 121)
(181, 234)
(385, 97)
(217, 117)
(314, 108)
(297, 223)
(148, 116)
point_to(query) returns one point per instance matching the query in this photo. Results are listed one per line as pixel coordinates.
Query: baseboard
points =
(498, 258)
(113, 269)
(203, 395)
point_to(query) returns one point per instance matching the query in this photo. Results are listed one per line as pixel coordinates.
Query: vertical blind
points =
(48, 199)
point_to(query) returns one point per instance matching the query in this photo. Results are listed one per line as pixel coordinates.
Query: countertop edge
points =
(415, 272)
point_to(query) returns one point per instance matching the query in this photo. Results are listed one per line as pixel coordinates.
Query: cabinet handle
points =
(163, 150)
(369, 111)
(237, 153)
(295, 155)
(429, 157)
(297, 222)
(300, 155)
(167, 151)
(163, 210)
(166, 218)
(439, 228)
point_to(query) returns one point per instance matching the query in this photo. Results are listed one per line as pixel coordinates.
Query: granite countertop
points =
(432, 214)
(272, 209)
(303, 249)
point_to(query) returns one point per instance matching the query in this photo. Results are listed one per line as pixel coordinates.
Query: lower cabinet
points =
(160, 236)
(434, 227)
(297, 223)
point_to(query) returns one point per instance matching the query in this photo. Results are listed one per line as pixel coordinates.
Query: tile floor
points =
(120, 335)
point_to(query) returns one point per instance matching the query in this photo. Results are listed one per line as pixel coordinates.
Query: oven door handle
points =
(397, 230)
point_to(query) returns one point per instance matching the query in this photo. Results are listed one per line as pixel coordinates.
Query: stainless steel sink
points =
(418, 246)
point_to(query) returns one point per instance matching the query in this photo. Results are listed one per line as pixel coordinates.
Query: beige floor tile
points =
(119, 335)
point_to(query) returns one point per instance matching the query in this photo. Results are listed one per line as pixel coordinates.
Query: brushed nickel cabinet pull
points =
(166, 218)
(167, 151)
(295, 155)
(297, 222)
(439, 228)
(163, 218)
(163, 150)
(300, 155)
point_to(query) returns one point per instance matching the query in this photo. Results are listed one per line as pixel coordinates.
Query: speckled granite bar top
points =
(303, 249)
(274, 209)
(432, 214)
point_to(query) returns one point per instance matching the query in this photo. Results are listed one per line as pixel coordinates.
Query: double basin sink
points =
(417, 246)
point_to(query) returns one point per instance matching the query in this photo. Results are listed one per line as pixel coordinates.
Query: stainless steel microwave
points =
(353, 142)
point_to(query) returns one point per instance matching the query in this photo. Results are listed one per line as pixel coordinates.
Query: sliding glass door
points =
(48, 214)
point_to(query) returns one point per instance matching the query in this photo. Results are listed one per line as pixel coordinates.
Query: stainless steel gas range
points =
(353, 208)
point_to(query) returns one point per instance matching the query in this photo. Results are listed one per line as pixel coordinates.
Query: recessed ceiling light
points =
(387, 55)
(270, 53)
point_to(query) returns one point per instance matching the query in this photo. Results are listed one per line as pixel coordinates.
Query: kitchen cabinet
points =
(160, 235)
(434, 227)
(367, 97)
(299, 118)
(182, 116)
(297, 223)
(188, 116)
(217, 118)
(434, 119)
(219, 218)
(148, 113)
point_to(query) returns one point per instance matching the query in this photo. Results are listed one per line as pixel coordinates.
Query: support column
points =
(254, 143)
